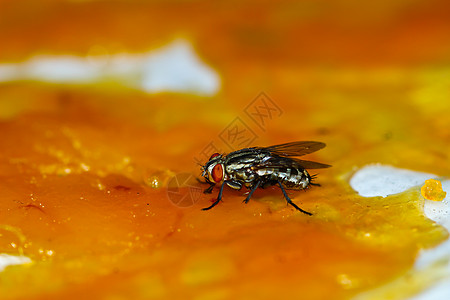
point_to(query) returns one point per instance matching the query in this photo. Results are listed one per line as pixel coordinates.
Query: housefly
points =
(261, 167)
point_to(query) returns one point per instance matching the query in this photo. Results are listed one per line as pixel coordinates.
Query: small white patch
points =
(440, 291)
(177, 68)
(379, 180)
(173, 68)
(9, 260)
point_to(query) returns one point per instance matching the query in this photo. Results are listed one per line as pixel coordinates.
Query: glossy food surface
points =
(87, 171)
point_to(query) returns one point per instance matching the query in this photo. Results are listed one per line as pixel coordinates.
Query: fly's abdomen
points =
(290, 177)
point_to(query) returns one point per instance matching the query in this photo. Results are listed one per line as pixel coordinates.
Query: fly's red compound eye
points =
(217, 173)
(214, 155)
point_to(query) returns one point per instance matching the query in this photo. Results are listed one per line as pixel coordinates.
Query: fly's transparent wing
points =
(306, 164)
(294, 148)
(281, 162)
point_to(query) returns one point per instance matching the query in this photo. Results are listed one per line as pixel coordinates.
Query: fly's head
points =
(213, 171)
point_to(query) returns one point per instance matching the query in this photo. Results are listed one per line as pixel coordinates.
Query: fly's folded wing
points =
(294, 148)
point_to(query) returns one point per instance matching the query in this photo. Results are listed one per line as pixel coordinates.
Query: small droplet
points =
(432, 190)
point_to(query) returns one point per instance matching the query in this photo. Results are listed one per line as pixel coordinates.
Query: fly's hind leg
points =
(290, 201)
(251, 192)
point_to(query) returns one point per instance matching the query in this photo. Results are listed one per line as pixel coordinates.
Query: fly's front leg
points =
(251, 192)
(219, 197)
(209, 189)
(290, 201)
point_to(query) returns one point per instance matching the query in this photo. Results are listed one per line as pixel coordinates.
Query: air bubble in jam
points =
(12, 240)
(154, 182)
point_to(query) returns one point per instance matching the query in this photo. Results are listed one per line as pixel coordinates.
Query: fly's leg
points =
(209, 189)
(219, 197)
(290, 201)
(251, 192)
(198, 180)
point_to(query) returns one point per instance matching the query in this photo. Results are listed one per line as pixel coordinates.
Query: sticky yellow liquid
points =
(85, 174)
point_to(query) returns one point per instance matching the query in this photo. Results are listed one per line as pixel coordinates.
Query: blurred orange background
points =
(85, 167)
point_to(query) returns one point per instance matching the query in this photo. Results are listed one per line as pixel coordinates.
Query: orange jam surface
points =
(87, 186)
